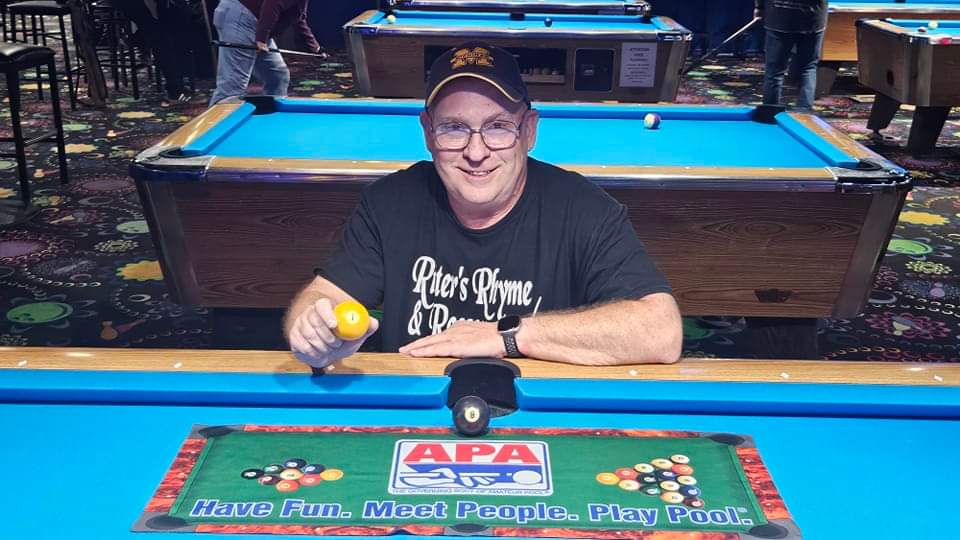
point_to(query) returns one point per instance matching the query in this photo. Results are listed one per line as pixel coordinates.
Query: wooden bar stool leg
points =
(13, 91)
(36, 41)
(114, 57)
(58, 122)
(43, 30)
(71, 89)
(23, 24)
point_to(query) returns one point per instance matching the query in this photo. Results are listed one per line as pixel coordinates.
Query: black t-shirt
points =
(802, 16)
(565, 244)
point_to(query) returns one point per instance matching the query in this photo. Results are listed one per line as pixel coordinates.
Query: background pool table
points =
(579, 57)
(857, 450)
(723, 201)
(905, 65)
(607, 7)
(840, 38)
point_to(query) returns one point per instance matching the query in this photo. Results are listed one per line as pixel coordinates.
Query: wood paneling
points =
(395, 66)
(254, 244)
(840, 38)
(690, 369)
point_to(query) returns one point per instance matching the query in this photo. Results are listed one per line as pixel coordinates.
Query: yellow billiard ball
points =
(933, 25)
(353, 321)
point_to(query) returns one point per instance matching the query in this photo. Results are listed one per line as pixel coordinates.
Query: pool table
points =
(605, 7)
(856, 450)
(563, 56)
(246, 199)
(904, 61)
(840, 38)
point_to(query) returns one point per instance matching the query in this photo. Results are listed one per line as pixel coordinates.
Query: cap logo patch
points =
(477, 56)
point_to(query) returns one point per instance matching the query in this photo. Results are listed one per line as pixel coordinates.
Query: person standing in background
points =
(165, 27)
(248, 22)
(792, 24)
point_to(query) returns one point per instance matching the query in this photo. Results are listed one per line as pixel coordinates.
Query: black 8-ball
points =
(251, 474)
(548, 22)
(471, 416)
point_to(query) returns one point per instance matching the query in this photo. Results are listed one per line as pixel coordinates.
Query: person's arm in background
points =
(305, 32)
(278, 12)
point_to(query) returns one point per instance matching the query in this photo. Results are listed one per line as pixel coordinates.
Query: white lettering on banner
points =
(495, 294)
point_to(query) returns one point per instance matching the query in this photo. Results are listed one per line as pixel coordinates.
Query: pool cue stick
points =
(227, 44)
(713, 51)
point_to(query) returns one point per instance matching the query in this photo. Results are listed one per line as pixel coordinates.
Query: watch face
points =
(510, 322)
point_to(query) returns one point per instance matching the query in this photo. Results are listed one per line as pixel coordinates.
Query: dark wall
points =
(328, 16)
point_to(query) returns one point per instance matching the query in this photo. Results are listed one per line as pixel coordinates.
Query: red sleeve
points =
(306, 34)
(270, 11)
(277, 12)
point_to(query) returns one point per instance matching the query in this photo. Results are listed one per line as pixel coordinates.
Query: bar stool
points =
(37, 10)
(117, 43)
(14, 58)
(4, 24)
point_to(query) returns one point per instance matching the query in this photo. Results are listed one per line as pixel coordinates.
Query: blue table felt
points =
(568, 134)
(944, 27)
(907, 4)
(562, 22)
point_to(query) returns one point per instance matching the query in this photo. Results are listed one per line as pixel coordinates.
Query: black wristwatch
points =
(508, 328)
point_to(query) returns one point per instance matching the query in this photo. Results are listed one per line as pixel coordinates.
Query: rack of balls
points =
(671, 480)
(291, 475)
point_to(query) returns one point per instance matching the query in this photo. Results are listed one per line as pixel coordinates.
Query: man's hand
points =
(262, 47)
(464, 338)
(312, 339)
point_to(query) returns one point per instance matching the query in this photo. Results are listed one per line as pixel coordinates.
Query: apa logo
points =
(470, 467)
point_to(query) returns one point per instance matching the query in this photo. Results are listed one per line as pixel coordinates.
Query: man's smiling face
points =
(480, 182)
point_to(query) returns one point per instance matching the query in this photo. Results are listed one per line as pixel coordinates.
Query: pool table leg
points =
(782, 338)
(927, 124)
(826, 76)
(246, 328)
(883, 110)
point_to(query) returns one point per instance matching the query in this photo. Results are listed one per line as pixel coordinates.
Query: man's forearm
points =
(627, 331)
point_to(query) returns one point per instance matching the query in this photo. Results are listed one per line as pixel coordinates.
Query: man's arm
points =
(310, 322)
(306, 33)
(271, 13)
(647, 330)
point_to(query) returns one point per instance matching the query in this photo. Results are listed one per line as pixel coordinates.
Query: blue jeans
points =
(778, 48)
(236, 24)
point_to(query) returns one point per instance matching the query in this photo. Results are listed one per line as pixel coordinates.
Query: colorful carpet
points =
(84, 271)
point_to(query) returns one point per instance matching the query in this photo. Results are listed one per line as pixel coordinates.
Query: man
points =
(256, 21)
(165, 27)
(486, 252)
(792, 24)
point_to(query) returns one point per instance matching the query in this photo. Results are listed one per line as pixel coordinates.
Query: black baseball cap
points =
(481, 61)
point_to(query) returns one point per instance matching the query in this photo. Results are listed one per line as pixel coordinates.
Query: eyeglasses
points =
(497, 135)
